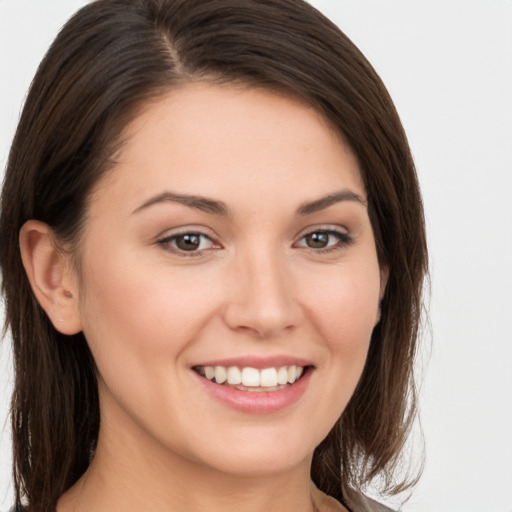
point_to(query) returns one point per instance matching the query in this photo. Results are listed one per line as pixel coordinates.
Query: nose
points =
(262, 296)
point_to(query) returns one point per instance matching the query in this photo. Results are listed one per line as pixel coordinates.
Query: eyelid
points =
(323, 228)
(168, 236)
(343, 234)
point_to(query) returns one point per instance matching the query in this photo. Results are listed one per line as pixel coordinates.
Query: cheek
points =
(342, 305)
(134, 312)
(138, 321)
(345, 310)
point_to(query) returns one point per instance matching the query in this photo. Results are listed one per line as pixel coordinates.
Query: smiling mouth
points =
(252, 379)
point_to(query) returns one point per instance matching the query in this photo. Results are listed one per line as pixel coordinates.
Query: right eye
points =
(188, 244)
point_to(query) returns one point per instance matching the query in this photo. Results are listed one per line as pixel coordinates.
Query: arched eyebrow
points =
(199, 202)
(216, 207)
(326, 201)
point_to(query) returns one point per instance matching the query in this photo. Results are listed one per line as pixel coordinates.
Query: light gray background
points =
(447, 64)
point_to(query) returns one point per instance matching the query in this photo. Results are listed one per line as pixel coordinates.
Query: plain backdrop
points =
(448, 67)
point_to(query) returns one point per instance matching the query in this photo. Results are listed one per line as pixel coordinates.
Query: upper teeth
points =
(252, 377)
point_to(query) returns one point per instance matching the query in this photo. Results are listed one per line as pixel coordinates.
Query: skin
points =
(150, 312)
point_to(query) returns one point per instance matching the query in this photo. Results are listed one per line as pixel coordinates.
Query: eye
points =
(325, 239)
(191, 243)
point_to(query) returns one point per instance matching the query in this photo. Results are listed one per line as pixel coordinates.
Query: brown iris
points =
(317, 240)
(188, 242)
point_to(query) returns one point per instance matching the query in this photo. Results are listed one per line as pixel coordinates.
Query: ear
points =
(384, 275)
(51, 277)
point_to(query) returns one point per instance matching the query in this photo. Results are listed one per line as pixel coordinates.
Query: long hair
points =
(109, 60)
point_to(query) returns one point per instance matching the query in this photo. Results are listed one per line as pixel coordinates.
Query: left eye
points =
(324, 239)
(188, 242)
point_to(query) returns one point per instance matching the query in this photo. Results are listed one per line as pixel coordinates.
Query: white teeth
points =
(234, 375)
(250, 377)
(282, 375)
(269, 378)
(292, 374)
(220, 374)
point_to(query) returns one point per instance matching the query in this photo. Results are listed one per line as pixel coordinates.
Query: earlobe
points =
(50, 275)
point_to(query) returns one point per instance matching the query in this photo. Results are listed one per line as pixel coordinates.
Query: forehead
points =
(214, 138)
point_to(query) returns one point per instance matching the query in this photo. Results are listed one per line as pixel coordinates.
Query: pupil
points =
(188, 242)
(317, 240)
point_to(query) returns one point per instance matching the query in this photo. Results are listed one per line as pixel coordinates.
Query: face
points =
(231, 240)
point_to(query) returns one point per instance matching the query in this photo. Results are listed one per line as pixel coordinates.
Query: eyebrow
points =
(215, 207)
(326, 201)
(199, 202)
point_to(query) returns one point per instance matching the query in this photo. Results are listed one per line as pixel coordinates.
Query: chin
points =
(262, 463)
(259, 453)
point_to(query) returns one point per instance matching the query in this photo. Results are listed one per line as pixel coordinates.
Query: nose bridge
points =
(263, 299)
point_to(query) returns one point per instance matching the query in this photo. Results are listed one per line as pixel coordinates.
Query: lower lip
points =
(258, 402)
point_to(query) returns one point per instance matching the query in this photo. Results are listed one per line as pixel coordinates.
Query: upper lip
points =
(258, 362)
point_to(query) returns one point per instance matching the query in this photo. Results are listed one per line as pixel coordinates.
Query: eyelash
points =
(168, 240)
(343, 241)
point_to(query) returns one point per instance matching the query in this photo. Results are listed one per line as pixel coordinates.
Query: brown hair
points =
(109, 59)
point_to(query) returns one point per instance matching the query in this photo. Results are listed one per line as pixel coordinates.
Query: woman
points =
(212, 251)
